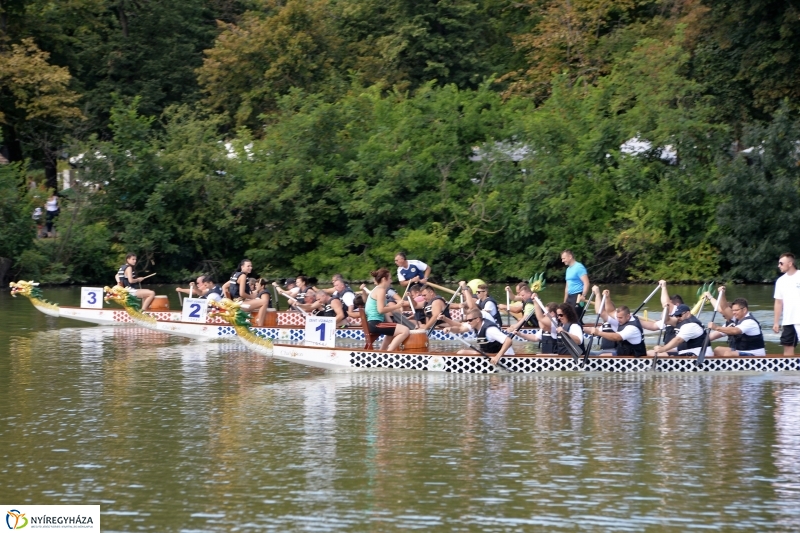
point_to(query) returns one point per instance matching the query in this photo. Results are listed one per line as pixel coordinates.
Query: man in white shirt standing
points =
(787, 303)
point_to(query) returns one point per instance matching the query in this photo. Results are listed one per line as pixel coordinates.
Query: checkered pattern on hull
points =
(534, 364)
(388, 360)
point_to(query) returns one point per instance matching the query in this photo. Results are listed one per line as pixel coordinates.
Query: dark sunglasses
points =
(559, 315)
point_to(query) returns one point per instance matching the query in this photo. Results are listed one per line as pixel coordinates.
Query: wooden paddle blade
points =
(588, 350)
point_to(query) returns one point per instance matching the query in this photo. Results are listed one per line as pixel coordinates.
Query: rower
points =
(488, 304)
(744, 334)
(326, 305)
(375, 308)
(260, 302)
(195, 289)
(689, 334)
(341, 290)
(435, 305)
(211, 290)
(411, 270)
(626, 333)
(525, 308)
(237, 286)
(302, 289)
(568, 325)
(490, 338)
(126, 277)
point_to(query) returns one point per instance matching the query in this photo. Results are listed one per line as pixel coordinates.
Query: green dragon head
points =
(121, 295)
(230, 311)
(29, 289)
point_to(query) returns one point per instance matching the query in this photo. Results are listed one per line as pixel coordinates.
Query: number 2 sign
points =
(320, 331)
(194, 310)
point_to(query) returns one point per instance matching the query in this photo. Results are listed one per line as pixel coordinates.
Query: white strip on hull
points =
(358, 360)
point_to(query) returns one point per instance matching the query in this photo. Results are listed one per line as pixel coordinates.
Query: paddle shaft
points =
(596, 323)
(647, 300)
(478, 349)
(660, 336)
(585, 307)
(701, 357)
(445, 289)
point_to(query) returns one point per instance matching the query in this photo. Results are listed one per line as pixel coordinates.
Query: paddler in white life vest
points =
(689, 334)
(489, 336)
(327, 305)
(126, 277)
(627, 334)
(744, 331)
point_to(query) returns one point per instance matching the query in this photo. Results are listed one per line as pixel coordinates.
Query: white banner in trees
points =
(320, 331)
(91, 298)
(194, 310)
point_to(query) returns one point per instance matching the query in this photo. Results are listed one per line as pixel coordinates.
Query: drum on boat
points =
(160, 303)
(416, 341)
(270, 321)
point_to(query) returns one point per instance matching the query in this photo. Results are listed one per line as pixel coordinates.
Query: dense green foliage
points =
(656, 139)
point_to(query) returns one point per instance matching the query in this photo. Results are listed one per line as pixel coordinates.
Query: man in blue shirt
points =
(411, 270)
(577, 278)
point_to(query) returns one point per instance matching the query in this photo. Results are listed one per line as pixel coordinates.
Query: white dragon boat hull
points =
(351, 359)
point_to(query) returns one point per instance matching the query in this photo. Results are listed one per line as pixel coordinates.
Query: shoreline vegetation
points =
(657, 140)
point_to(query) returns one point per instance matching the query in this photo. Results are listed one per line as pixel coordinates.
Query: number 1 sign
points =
(194, 310)
(320, 331)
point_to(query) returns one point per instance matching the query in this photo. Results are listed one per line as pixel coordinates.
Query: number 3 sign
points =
(320, 331)
(91, 298)
(194, 310)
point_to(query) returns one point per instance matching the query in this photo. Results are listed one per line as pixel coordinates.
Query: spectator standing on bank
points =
(787, 303)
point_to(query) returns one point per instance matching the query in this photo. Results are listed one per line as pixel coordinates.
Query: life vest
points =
(497, 317)
(746, 343)
(625, 347)
(561, 347)
(216, 289)
(123, 279)
(428, 309)
(328, 310)
(697, 342)
(301, 296)
(233, 288)
(485, 344)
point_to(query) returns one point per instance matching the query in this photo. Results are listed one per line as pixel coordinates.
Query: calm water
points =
(172, 435)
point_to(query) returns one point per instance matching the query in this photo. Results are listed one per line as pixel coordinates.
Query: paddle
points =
(508, 307)
(658, 287)
(596, 322)
(277, 301)
(148, 276)
(660, 336)
(289, 297)
(583, 310)
(445, 289)
(446, 307)
(479, 350)
(572, 348)
(701, 357)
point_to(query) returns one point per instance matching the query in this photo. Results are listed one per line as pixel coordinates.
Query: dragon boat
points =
(290, 326)
(351, 356)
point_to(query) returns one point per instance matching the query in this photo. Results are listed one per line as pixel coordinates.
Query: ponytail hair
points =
(380, 274)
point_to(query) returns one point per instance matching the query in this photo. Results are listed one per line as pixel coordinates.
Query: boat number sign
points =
(320, 331)
(91, 298)
(194, 310)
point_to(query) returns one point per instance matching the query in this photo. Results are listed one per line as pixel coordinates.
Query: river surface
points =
(167, 434)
